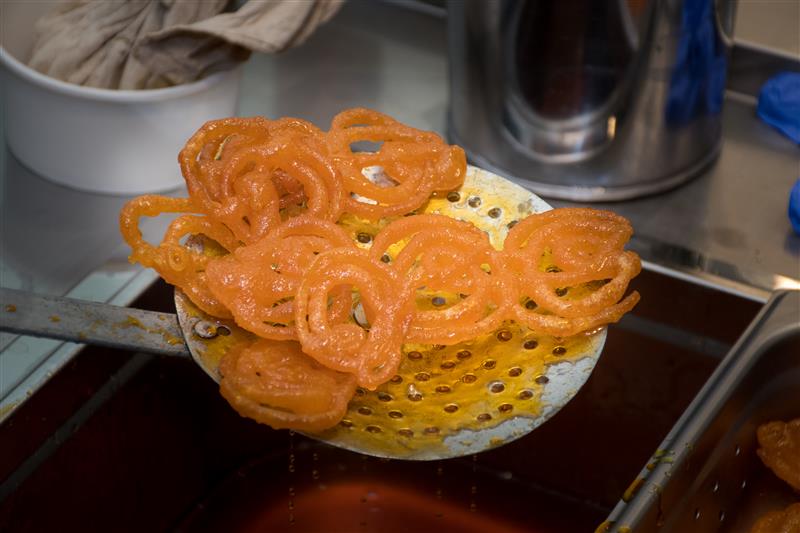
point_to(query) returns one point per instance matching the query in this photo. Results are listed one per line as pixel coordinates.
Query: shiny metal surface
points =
(589, 100)
(706, 476)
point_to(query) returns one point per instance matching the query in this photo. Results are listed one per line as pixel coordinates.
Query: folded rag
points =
(186, 52)
(147, 44)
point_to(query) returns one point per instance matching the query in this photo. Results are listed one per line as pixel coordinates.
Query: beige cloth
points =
(146, 44)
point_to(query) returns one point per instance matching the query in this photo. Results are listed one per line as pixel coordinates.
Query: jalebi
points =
(446, 257)
(557, 250)
(332, 315)
(277, 384)
(179, 265)
(371, 353)
(780, 449)
(257, 283)
(419, 162)
(243, 171)
(785, 521)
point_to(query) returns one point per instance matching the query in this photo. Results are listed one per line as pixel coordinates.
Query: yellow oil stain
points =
(11, 308)
(605, 527)
(6, 409)
(171, 339)
(663, 456)
(133, 322)
(632, 489)
(55, 318)
(454, 375)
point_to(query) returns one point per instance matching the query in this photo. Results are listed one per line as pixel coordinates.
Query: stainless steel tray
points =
(706, 475)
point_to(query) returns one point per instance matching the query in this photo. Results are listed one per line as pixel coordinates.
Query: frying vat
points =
(165, 452)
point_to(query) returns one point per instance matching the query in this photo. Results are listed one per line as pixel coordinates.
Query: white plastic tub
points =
(99, 140)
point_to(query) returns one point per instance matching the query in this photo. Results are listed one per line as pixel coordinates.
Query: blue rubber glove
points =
(779, 104)
(794, 207)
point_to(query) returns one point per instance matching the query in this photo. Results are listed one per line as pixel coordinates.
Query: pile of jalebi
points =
(779, 449)
(269, 193)
(785, 521)
(443, 256)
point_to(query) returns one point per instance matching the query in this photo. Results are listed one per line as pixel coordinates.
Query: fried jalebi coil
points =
(205, 153)
(258, 282)
(582, 246)
(371, 353)
(418, 162)
(242, 172)
(565, 327)
(404, 228)
(444, 257)
(481, 311)
(275, 383)
(786, 521)
(780, 450)
(176, 263)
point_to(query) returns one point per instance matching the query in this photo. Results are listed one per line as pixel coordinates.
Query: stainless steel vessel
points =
(706, 475)
(588, 100)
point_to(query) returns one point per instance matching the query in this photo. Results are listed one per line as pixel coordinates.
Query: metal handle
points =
(90, 323)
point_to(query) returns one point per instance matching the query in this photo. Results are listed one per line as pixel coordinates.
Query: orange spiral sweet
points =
(447, 256)
(418, 163)
(780, 521)
(372, 354)
(244, 171)
(258, 282)
(779, 449)
(177, 264)
(275, 383)
(581, 246)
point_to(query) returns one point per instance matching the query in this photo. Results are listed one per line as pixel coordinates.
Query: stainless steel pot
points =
(587, 100)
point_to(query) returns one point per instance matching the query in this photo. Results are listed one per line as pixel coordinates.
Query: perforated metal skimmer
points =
(445, 401)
